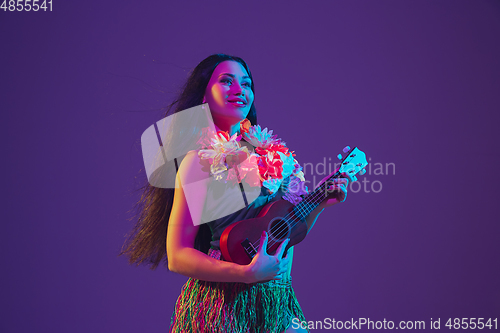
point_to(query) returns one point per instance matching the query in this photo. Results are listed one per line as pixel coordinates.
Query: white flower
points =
(222, 147)
(261, 137)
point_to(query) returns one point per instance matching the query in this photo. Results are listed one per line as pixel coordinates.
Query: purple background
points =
(415, 83)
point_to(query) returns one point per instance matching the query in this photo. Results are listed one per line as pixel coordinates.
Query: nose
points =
(238, 89)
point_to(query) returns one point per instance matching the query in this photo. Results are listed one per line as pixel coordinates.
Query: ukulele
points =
(281, 219)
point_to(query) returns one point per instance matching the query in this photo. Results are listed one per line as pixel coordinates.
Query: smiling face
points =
(229, 94)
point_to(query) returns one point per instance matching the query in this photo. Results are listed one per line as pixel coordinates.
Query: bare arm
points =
(183, 258)
(337, 193)
(311, 218)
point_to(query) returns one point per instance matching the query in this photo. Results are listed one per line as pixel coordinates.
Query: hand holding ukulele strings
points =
(266, 267)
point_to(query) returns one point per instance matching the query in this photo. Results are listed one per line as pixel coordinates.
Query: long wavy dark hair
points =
(146, 243)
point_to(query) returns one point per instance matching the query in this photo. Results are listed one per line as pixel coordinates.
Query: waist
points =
(286, 281)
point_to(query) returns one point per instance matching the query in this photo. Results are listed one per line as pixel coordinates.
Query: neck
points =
(230, 125)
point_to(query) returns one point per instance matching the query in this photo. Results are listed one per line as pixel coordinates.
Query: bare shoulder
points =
(193, 168)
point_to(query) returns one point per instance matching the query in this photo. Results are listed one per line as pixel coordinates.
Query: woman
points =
(221, 296)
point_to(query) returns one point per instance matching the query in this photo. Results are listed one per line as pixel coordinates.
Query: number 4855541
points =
(26, 5)
(471, 323)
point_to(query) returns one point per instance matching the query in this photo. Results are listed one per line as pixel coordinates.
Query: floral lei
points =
(271, 163)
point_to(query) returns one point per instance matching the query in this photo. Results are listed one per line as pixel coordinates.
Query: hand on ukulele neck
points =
(335, 189)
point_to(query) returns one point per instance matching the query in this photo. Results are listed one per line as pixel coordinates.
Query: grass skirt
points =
(265, 307)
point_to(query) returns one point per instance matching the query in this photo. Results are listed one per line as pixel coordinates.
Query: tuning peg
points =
(354, 178)
(362, 172)
(339, 156)
(346, 149)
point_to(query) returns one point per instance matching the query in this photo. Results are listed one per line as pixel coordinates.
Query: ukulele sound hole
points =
(278, 229)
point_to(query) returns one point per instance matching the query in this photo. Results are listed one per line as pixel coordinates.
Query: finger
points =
(263, 242)
(347, 176)
(284, 264)
(281, 248)
(343, 196)
(335, 186)
(341, 181)
(330, 186)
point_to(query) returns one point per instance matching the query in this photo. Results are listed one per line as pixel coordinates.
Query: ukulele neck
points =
(352, 163)
(313, 199)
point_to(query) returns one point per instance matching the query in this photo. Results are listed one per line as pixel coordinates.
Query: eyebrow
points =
(231, 75)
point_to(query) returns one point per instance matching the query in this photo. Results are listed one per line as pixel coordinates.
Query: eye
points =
(248, 84)
(226, 80)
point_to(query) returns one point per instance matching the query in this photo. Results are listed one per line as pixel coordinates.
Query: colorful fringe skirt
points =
(266, 307)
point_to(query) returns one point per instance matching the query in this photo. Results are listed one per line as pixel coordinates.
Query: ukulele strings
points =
(315, 195)
(295, 219)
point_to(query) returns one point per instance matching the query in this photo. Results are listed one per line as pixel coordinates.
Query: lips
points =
(237, 101)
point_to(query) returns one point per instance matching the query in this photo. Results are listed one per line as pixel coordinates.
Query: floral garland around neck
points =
(269, 166)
